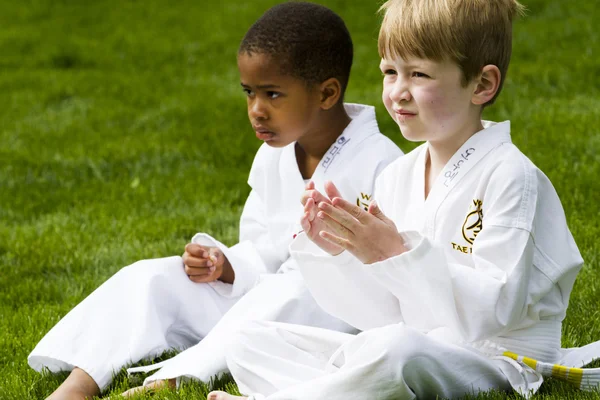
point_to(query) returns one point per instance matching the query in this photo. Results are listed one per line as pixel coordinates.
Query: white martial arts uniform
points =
(152, 306)
(490, 267)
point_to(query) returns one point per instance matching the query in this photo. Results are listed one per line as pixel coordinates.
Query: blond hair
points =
(471, 33)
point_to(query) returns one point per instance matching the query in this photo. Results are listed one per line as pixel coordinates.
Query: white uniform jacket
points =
(272, 212)
(491, 261)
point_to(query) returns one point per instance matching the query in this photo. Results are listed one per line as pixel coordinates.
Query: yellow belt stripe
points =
(526, 360)
(531, 362)
(572, 375)
(560, 371)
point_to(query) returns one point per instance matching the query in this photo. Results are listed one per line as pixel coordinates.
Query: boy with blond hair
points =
(460, 274)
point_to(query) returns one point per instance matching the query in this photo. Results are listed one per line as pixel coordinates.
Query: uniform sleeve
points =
(475, 302)
(252, 256)
(343, 287)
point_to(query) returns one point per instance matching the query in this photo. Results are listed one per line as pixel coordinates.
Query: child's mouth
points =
(404, 116)
(264, 134)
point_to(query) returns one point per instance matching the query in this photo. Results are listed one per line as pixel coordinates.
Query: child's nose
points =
(400, 92)
(256, 110)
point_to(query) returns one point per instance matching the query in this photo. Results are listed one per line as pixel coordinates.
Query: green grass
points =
(123, 132)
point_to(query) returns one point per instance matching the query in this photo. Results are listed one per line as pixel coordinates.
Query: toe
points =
(219, 395)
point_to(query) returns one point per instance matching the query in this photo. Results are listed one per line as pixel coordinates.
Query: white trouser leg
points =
(278, 297)
(266, 357)
(392, 362)
(143, 310)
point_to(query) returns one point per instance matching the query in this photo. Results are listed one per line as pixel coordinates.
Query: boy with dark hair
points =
(322, 47)
(294, 65)
(460, 274)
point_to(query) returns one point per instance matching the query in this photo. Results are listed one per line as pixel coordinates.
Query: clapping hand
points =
(309, 221)
(369, 235)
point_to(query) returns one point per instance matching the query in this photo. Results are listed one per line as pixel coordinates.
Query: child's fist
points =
(203, 263)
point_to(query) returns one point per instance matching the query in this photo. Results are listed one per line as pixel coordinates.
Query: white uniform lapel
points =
(292, 184)
(363, 124)
(291, 179)
(413, 219)
(465, 159)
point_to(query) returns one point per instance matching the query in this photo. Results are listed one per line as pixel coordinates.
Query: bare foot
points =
(218, 395)
(154, 385)
(78, 386)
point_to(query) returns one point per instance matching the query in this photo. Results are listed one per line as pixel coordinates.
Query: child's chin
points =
(411, 136)
(276, 143)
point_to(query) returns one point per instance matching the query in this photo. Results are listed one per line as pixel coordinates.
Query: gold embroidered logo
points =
(473, 223)
(363, 201)
(471, 227)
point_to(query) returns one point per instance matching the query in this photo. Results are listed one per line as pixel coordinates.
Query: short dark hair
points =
(310, 41)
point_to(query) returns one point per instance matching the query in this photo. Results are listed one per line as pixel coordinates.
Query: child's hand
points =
(312, 225)
(369, 236)
(206, 264)
(311, 193)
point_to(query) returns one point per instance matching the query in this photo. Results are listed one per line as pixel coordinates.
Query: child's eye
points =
(418, 74)
(273, 95)
(389, 72)
(248, 92)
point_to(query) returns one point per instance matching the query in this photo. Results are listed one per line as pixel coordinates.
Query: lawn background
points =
(123, 131)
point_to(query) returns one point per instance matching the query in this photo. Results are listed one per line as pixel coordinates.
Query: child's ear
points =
(488, 83)
(331, 91)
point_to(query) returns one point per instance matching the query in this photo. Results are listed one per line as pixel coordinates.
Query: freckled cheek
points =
(437, 104)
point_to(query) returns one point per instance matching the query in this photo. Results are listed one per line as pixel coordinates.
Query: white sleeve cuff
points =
(245, 261)
(344, 287)
(421, 281)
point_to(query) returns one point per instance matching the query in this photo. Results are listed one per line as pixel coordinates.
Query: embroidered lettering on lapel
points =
(333, 151)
